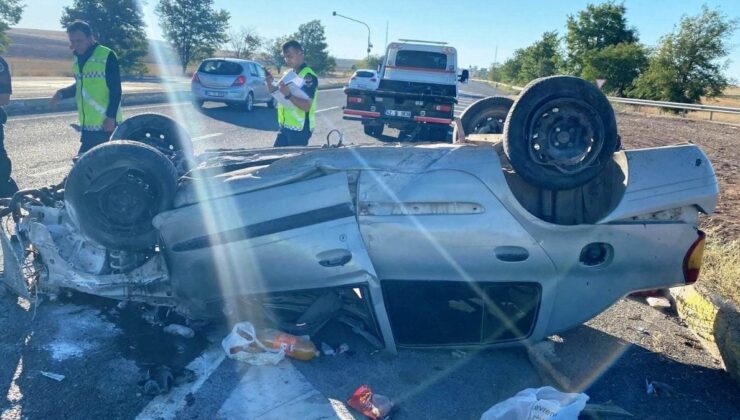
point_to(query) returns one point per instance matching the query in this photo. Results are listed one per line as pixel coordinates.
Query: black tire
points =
(161, 132)
(198, 104)
(248, 103)
(486, 116)
(373, 130)
(114, 191)
(272, 103)
(560, 133)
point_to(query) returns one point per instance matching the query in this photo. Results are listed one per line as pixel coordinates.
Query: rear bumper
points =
(234, 94)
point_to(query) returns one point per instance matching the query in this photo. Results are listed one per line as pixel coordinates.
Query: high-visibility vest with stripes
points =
(92, 93)
(294, 118)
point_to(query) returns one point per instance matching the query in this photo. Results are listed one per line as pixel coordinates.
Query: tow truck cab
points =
(417, 91)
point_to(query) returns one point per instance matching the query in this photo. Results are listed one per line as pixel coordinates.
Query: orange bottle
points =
(295, 347)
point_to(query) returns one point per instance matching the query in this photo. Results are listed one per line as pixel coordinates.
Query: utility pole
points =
(369, 45)
(386, 34)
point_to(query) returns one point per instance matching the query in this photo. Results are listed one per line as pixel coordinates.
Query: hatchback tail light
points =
(355, 100)
(442, 108)
(240, 81)
(692, 260)
(195, 79)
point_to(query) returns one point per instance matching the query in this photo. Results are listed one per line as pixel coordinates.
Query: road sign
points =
(600, 82)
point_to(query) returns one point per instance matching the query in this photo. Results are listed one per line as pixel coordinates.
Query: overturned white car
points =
(463, 244)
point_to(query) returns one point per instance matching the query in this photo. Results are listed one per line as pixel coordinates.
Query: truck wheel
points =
(114, 191)
(560, 132)
(486, 116)
(161, 132)
(373, 130)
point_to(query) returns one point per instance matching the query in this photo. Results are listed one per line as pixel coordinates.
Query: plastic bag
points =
(538, 404)
(242, 344)
(370, 404)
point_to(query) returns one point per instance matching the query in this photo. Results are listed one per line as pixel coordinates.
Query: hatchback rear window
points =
(421, 59)
(365, 74)
(220, 67)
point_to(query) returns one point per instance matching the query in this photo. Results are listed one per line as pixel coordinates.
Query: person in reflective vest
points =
(8, 187)
(97, 87)
(297, 116)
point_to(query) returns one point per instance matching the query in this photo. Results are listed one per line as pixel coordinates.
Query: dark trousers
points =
(287, 137)
(7, 184)
(90, 139)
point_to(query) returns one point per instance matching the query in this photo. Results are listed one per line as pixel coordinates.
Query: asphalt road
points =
(103, 351)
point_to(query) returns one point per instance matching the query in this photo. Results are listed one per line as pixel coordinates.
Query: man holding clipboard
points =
(296, 98)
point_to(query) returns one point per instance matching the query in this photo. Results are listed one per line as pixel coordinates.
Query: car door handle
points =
(334, 258)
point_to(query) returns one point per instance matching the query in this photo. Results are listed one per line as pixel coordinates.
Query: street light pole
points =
(369, 45)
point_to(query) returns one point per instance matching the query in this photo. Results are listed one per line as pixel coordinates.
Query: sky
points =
(482, 30)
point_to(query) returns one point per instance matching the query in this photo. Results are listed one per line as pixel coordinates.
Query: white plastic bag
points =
(238, 346)
(538, 404)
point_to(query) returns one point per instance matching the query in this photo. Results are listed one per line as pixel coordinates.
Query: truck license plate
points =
(394, 113)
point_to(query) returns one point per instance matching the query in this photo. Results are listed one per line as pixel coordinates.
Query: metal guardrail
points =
(711, 109)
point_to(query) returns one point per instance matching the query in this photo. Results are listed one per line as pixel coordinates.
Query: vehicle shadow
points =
(260, 118)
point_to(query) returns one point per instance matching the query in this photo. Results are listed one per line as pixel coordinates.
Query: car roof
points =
(370, 70)
(233, 60)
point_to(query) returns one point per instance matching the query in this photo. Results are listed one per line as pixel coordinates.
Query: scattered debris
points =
(122, 305)
(300, 348)
(659, 302)
(659, 389)
(601, 410)
(541, 403)
(374, 406)
(327, 350)
(55, 376)
(343, 348)
(459, 354)
(556, 339)
(159, 381)
(181, 330)
(637, 317)
(242, 344)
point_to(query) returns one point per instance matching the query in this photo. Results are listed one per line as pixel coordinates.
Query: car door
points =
(261, 74)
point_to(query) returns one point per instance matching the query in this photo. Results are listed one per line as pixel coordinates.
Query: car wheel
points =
(198, 104)
(486, 116)
(114, 191)
(272, 103)
(373, 130)
(161, 132)
(249, 102)
(560, 133)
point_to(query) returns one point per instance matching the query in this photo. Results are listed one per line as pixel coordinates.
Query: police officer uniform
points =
(7, 184)
(297, 125)
(97, 89)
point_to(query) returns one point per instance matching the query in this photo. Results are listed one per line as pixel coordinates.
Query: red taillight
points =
(195, 79)
(355, 100)
(692, 260)
(241, 80)
(442, 108)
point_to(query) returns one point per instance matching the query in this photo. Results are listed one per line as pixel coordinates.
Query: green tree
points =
(274, 52)
(193, 27)
(10, 14)
(245, 42)
(541, 59)
(619, 64)
(372, 62)
(117, 24)
(312, 38)
(595, 28)
(688, 63)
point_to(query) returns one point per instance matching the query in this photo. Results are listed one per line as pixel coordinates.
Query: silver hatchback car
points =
(231, 81)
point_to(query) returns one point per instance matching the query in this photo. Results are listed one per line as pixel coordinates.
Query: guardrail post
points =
(710, 115)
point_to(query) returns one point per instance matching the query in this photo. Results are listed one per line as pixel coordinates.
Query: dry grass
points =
(720, 270)
(30, 67)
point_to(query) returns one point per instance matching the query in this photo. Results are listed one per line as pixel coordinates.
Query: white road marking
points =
(72, 113)
(279, 392)
(53, 171)
(470, 93)
(166, 406)
(207, 136)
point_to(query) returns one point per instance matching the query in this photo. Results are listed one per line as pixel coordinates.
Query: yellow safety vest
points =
(294, 118)
(92, 93)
